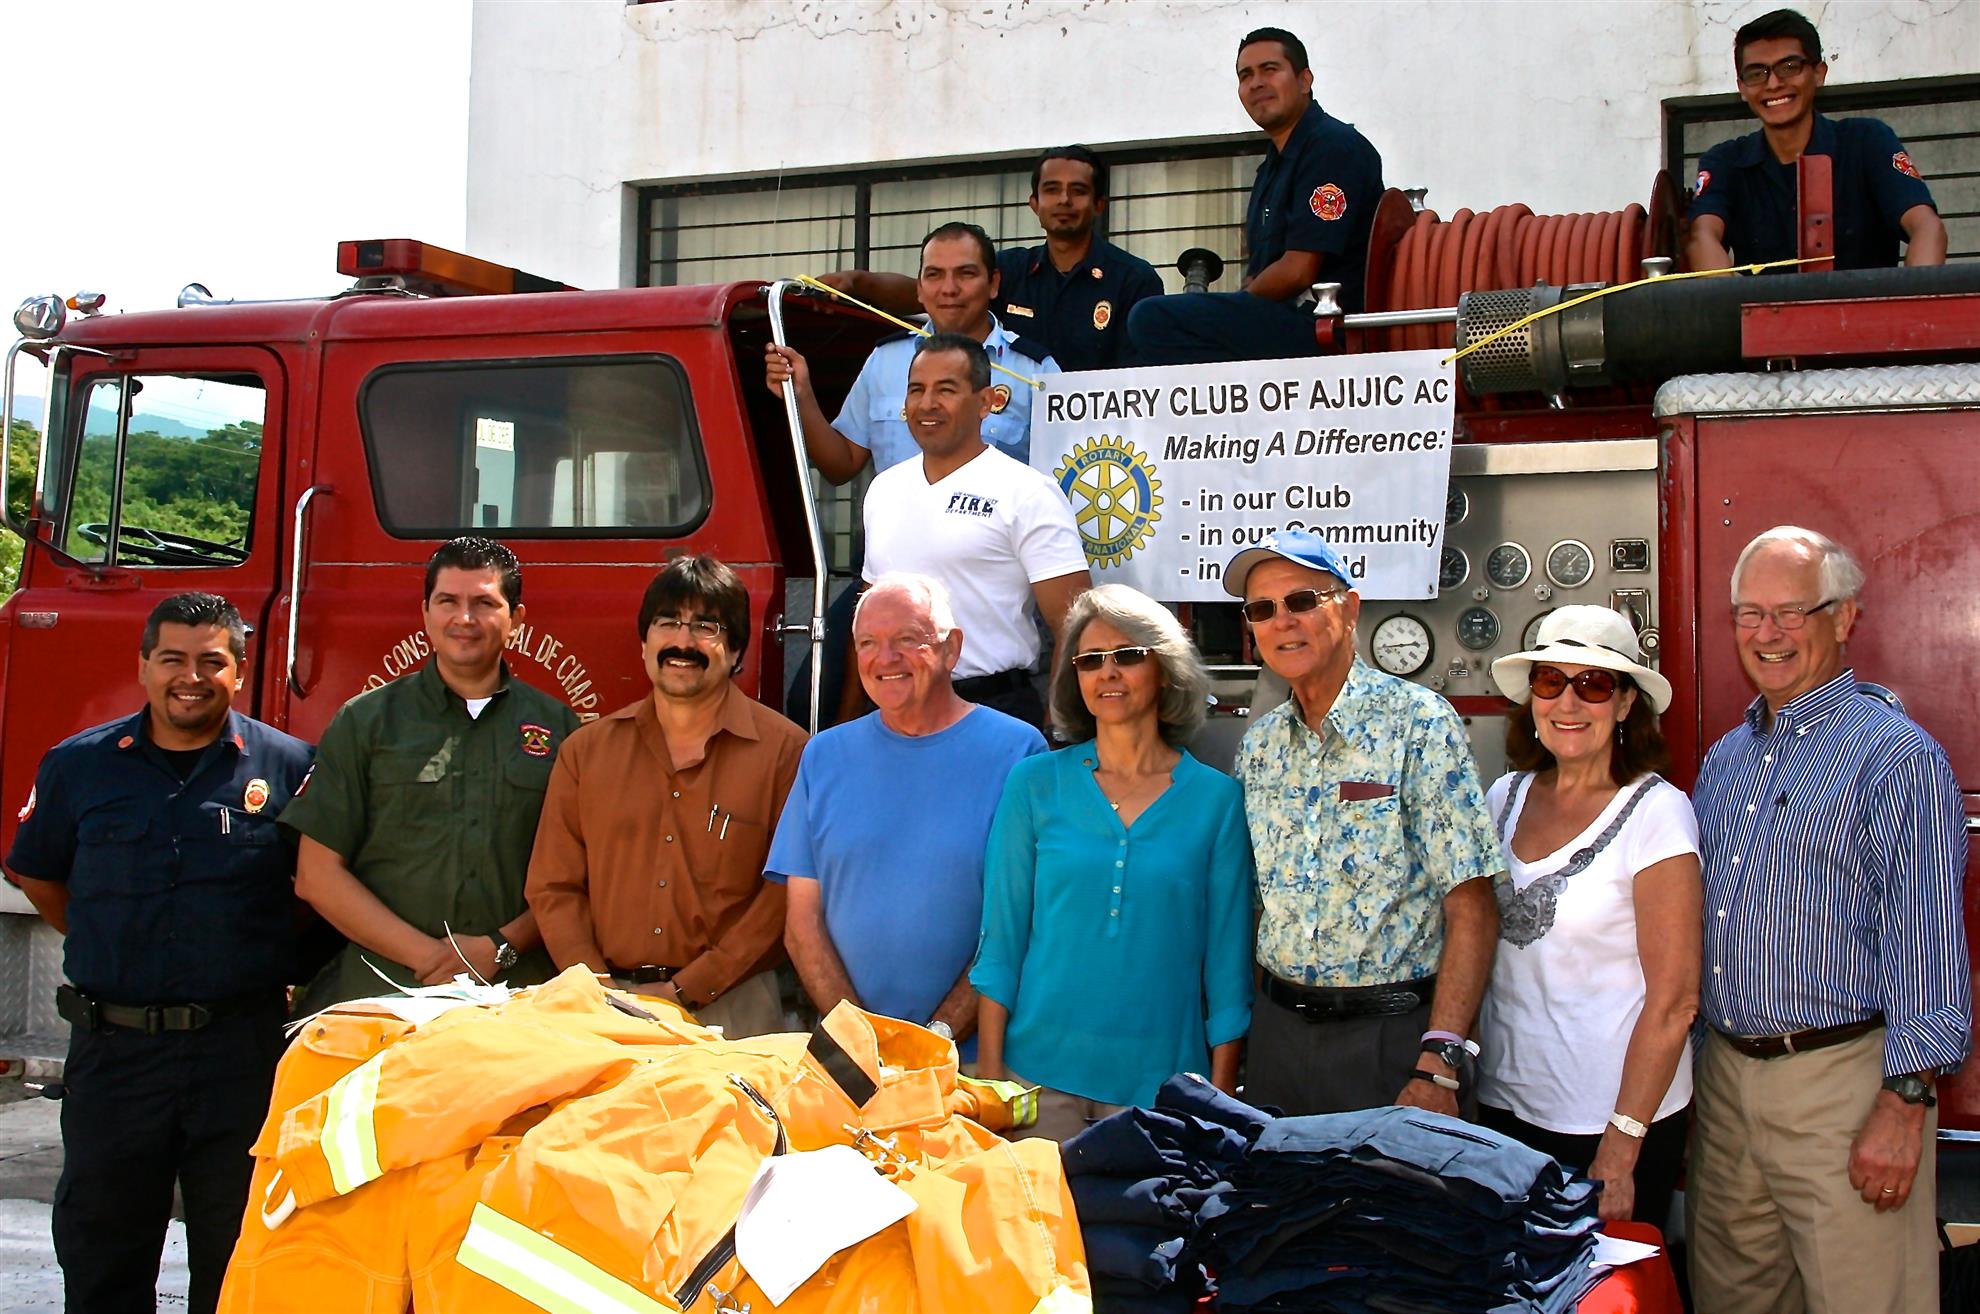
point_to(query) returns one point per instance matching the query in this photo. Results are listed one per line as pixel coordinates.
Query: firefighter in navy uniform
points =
(1747, 206)
(1075, 291)
(151, 843)
(1312, 208)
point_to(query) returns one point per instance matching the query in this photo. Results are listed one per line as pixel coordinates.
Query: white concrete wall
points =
(1553, 104)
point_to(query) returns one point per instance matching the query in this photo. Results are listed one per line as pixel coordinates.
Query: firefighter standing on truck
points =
(418, 818)
(151, 842)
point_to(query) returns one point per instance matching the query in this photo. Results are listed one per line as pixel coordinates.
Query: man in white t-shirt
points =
(999, 534)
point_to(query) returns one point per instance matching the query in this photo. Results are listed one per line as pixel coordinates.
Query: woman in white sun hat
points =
(1584, 1025)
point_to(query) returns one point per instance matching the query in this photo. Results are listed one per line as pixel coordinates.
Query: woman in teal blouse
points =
(1117, 898)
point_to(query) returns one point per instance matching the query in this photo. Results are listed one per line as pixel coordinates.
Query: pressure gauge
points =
(1478, 628)
(1508, 566)
(1570, 564)
(1531, 638)
(1401, 645)
(1457, 505)
(1454, 570)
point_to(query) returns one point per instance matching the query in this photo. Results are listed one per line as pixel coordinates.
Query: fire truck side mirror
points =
(40, 318)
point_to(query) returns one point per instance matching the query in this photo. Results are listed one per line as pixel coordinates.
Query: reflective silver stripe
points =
(544, 1273)
(350, 1140)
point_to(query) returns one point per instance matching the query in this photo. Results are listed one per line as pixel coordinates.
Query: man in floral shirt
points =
(1374, 853)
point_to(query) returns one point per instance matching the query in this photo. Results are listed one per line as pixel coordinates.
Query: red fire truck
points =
(1621, 451)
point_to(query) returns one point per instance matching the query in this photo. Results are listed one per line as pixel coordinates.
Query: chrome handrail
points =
(775, 296)
(295, 583)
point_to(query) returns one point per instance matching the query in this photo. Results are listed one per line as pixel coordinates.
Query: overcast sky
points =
(150, 145)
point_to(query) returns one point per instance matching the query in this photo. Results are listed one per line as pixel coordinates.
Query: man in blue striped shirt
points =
(1835, 984)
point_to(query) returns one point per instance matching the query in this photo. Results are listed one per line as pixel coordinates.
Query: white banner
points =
(1173, 470)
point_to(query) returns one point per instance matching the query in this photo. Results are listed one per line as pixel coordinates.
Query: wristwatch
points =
(505, 953)
(1911, 1088)
(942, 1029)
(1452, 1052)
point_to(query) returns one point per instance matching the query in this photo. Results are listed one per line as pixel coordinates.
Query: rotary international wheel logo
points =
(1113, 491)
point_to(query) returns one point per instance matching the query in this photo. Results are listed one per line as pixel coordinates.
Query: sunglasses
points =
(1260, 610)
(1089, 662)
(1593, 685)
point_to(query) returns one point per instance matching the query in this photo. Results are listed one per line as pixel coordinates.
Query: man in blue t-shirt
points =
(882, 839)
(1747, 204)
(1312, 208)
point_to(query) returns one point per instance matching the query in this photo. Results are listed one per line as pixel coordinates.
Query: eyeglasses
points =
(1260, 610)
(1787, 70)
(1593, 685)
(700, 629)
(1788, 618)
(1089, 662)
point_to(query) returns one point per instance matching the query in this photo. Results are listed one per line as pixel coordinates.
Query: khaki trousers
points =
(752, 1007)
(1773, 1225)
(1061, 1115)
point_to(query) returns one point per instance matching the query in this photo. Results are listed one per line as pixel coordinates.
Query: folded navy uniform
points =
(1388, 1209)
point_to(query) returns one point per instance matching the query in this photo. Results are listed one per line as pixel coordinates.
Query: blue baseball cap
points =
(1294, 545)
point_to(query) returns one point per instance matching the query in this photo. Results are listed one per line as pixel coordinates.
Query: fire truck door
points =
(165, 476)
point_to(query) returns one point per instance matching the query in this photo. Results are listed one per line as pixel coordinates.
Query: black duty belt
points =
(1332, 1003)
(644, 974)
(1800, 1042)
(977, 686)
(87, 1013)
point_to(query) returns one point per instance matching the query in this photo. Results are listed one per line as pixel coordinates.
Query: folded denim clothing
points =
(1112, 1295)
(1144, 1254)
(1145, 1201)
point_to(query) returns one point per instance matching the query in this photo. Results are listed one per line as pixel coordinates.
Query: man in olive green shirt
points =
(418, 817)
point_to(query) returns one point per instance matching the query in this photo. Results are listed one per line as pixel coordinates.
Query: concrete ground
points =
(30, 1161)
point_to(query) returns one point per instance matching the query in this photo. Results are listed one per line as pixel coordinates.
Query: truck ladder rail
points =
(774, 294)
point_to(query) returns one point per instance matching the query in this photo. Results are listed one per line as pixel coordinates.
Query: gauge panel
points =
(1531, 638)
(1508, 566)
(1401, 645)
(1453, 570)
(1457, 505)
(1570, 563)
(1478, 628)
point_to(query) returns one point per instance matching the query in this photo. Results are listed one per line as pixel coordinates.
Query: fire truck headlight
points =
(40, 318)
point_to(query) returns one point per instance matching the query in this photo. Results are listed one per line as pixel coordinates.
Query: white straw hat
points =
(1583, 636)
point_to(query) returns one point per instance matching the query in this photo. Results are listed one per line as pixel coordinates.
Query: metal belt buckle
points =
(175, 1017)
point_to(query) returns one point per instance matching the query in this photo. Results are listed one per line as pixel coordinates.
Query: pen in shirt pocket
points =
(713, 809)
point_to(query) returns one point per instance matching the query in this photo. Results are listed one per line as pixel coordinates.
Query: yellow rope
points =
(821, 286)
(1585, 297)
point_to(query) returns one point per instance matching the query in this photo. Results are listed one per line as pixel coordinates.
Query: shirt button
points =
(1722, 912)
(663, 885)
(1749, 807)
(1120, 864)
(677, 793)
(1715, 971)
(1768, 758)
(1115, 913)
(658, 931)
(670, 839)
(1117, 889)
(1735, 860)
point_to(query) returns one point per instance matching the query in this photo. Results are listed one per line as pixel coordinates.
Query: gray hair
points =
(1841, 576)
(1148, 624)
(924, 591)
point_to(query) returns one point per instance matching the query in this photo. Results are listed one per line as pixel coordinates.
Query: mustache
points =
(682, 654)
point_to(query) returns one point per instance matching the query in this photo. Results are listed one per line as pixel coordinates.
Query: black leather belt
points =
(995, 683)
(1331, 1003)
(1800, 1042)
(91, 1014)
(644, 974)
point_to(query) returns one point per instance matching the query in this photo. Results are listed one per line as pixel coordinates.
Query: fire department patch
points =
(1704, 181)
(1902, 163)
(1103, 314)
(1000, 397)
(255, 797)
(1328, 201)
(126, 742)
(28, 810)
(536, 740)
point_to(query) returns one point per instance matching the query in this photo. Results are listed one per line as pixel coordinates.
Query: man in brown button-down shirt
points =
(649, 855)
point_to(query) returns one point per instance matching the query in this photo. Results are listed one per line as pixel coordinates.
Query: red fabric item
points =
(1646, 1287)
